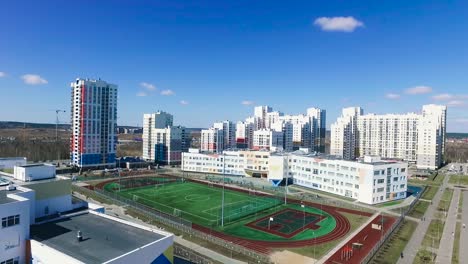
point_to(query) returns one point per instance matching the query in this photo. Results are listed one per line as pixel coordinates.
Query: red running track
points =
(368, 237)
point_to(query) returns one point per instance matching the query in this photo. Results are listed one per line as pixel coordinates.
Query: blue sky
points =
(208, 57)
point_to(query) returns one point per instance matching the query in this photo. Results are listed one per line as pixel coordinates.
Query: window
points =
(403, 169)
(10, 221)
(11, 261)
(380, 180)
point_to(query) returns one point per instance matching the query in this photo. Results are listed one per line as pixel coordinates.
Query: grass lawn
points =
(389, 253)
(456, 244)
(433, 234)
(430, 192)
(322, 249)
(390, 203)
(459, 180)
(445, 200)
(419, 209)
(424, 256)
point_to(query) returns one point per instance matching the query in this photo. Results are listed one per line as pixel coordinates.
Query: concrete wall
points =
(53, 205)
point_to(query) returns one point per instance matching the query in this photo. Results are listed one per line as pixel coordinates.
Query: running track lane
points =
(368, 237)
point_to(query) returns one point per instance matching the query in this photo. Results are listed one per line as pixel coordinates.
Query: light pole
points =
(303, 210)
(315, 244)
(270, 220)
(222, 197)
(286, 190)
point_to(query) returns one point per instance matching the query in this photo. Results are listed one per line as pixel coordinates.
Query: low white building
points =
(10, 163)
(33, 172)
(370, 180)
(14, 230)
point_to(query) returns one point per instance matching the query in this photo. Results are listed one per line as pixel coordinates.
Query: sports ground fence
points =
(395, 225)
(175, 222)
(185, 226)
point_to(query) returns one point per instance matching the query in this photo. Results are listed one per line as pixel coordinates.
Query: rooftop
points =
(4, 199)
(36, 165)
(103, 238)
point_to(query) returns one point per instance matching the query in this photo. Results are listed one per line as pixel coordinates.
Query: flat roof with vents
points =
(103, 239)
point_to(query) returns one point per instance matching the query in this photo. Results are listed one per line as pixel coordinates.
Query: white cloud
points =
(443, 97)
(392, 96)
(141, 94)
(344, 24)
(419, 90)
(148, 86)
(247, 102)
(2, 74)
(183, 102)
(455, 103)
(167, 92)
(33, 79)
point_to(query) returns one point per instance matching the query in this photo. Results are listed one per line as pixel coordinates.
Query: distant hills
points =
(14, 124)
(457, 135)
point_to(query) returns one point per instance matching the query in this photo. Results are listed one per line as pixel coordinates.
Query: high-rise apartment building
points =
(212, 140)
(268, 139)
(244, 135)
(318, 129)
(417, 138)
(229, 133)
(93, 123)
(163, 143)
(344, 134)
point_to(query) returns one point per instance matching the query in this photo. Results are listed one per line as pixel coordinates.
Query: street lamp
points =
(222, 199)
(315, 244)
(270, 220)
(303, 211)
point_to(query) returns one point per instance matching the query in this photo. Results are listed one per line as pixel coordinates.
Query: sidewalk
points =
(444, 254)
(464, 231)
(415, 242)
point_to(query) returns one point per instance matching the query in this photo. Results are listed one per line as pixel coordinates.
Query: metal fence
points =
(177, 223)
(395, 225)
(190, 255)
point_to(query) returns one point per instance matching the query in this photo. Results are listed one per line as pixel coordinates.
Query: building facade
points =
(268, 139)
(93, 123)
(163, 143)
(417, 138)
(370, 180)
(212, 140)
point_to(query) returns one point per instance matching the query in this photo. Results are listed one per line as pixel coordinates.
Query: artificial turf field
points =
(245, 213)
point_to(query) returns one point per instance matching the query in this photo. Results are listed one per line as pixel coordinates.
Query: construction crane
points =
(57, 112)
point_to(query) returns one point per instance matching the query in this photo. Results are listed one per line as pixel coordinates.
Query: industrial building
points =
(34, 172)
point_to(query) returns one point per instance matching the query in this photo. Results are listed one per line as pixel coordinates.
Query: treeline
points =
(456, 152)
(36, 150)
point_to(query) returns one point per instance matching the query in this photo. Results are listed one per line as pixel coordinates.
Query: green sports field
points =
(198, 203)
(201, 204)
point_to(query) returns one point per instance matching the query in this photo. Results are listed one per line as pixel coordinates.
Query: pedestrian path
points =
(415, 242)
(444, 254)
(463, 256)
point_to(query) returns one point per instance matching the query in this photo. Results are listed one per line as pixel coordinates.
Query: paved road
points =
(415, 242)
(464, 231)
(444, 254)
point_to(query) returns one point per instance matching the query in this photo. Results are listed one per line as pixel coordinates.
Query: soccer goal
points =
(177, 212)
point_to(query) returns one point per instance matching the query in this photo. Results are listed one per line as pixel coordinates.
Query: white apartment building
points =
(229, 133)
(244, 135)
(93, 123)
(318, 128)
(370, 180)
(343, 139)
(212, 140)
(417, 138)
(163, 143)
(268, 139)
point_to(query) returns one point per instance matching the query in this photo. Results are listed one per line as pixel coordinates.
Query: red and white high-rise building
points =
(94, 123)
